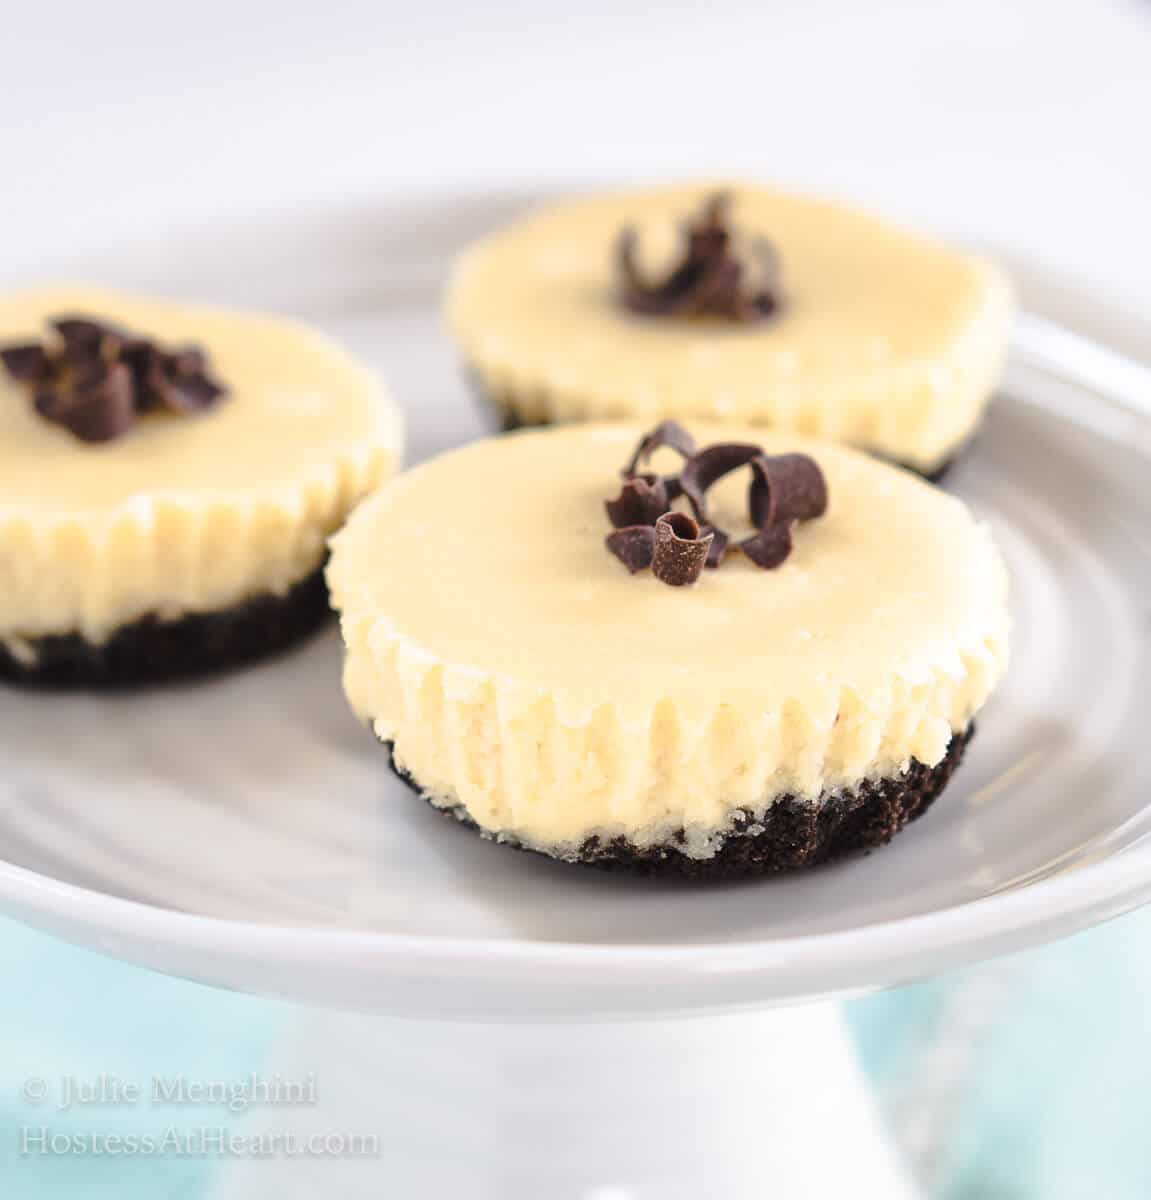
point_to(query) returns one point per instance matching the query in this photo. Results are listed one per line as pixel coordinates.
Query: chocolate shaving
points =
(712, 280)
(681, 549)
(98, 405)
(633, 546)
(719, 544)
(96, 379)
(191, 386)
(708, 467)
(704, 470)
(769, 547)
(147, 368)
(85, 338)
(643, 499)
(25, 363)
(667, 433)
(784, 489)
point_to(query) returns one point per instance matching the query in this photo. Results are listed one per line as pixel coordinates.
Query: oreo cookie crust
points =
(151, 650)
(792, 834)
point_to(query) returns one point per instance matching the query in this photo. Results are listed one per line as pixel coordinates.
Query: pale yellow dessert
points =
(881, 338)
(527, 681)
(185, 514)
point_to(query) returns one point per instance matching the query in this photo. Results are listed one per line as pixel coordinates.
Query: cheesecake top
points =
(294, 403)
(219, 483)
(525, 677)
(863, 332)
(492, 558)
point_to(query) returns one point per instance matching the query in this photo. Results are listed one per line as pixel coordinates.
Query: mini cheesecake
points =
(734, 303)
(767, 658)
(169, 476)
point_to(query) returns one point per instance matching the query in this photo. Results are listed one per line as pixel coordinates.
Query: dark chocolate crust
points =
(151, 650)
(792, 833)
(509, 421)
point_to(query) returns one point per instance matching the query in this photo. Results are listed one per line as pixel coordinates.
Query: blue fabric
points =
(1051, 1072)
(69, 1012)
(1022, 1080)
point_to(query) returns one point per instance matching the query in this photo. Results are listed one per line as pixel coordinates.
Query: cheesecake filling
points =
(531, 766)
(884, 340)
(183, 515)
(525, 679)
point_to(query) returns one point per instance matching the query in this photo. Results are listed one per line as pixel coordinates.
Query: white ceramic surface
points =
(246, 831)
(745, 1106)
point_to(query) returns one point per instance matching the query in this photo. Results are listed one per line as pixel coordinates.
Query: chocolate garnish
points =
(643, 499)
(146, 363)
(85, 338)
(719, 544)
(99, 405)
(681, 549)
(96, 379)
(25, 364)
(769, 547)
(703, 470)
(667, 433)
(633, 546)
(712, 280)
(784, 489)
(708, 467)
(191, 386)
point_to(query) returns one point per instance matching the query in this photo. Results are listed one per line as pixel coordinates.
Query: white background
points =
(1023, 124)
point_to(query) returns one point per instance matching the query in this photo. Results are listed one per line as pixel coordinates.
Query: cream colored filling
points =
(886, 340)
(523, 675)
(184, 514)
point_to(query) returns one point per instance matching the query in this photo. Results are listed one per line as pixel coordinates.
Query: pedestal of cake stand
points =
(734, 1107)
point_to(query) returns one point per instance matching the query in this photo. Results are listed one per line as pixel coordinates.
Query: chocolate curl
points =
(719, 544)
(680, 549)
(667, 433)
(769, 547)
(643, 499)
(635, 291)
(98, 379)
(633, 546)
(770, 267)
(99, 406)
(27, 363)
(83, 337)
(786, 488)
(710, 280)
(705, 469)
(144, 360)
(191, 387)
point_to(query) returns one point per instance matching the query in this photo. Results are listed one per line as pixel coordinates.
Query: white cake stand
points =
(511, 1028)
